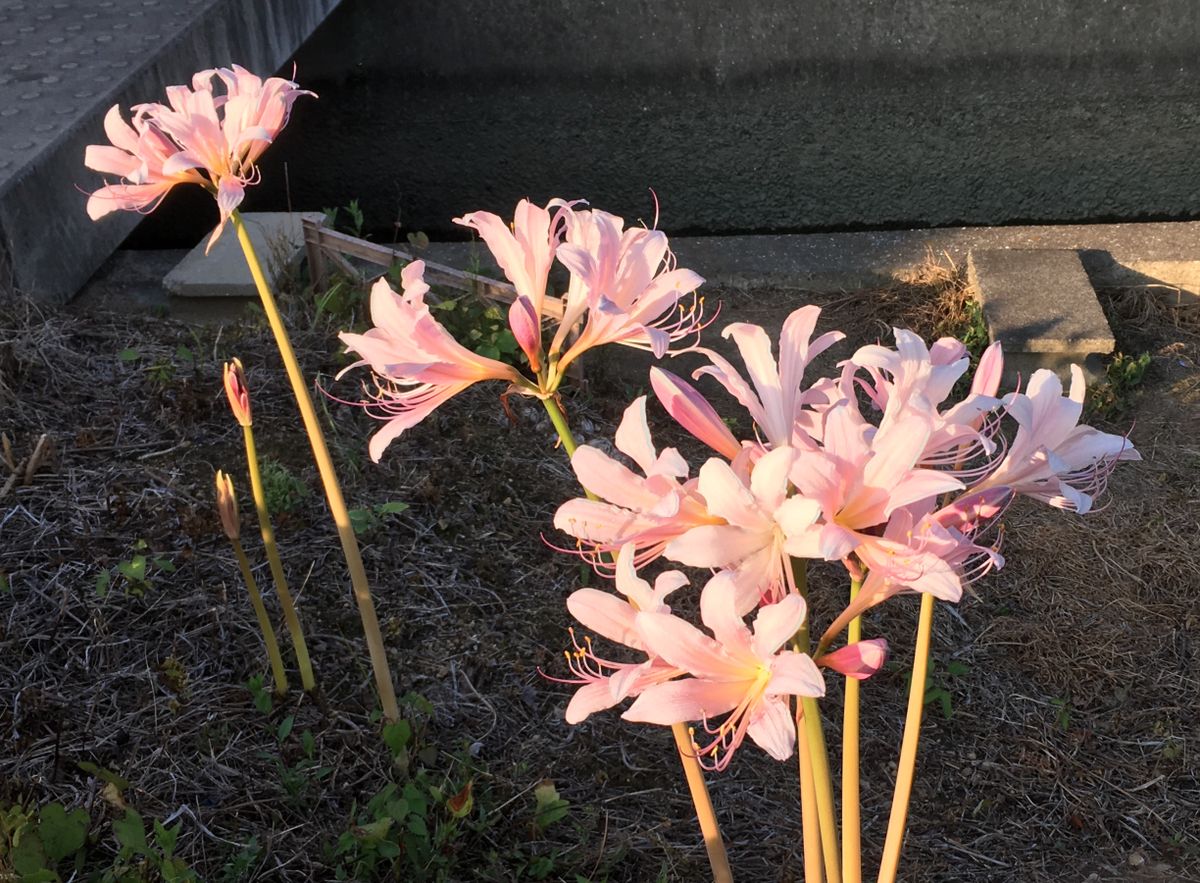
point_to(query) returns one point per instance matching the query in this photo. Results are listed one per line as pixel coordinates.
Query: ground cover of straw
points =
(1071, 678)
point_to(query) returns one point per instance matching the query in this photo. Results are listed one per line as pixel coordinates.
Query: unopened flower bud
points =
(227, 506)
(236, 392)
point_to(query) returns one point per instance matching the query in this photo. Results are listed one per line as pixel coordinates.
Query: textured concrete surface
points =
(1112, 254)
(763, 116)
(1041, 306)
(62, 65)
(278, 240)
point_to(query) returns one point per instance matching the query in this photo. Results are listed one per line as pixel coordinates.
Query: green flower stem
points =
(290, 617)
(851, 812)
(264, 621)
(815, 782)
(709, 828)
(890, 862)
(333, 492)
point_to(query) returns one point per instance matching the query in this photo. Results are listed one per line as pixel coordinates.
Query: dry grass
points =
(1069, 754)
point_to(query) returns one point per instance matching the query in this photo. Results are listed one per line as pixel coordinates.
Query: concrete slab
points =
(1041, 306)
(62, 65)
(278, 240)
(1112, 254)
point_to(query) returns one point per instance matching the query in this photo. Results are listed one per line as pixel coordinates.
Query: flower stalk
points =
(851, 813)
(333, 491)
(890, 862)
(231, 524)
(710, 829)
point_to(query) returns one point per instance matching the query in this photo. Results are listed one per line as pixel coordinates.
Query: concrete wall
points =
(755, 116)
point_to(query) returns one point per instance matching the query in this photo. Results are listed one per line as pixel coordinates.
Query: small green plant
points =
(936, 689)
(367, 521)
(135, 574)
(283, 491)
(1112, 396)
(144, 858)
(260, 693)
(297, 778)
(479, 326)
(974, 333)
(1062, 714)
(36, 844)
(354, 214)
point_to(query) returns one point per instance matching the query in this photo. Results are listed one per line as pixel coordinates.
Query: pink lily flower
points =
(693, 412)
(200, 137)
(738, 671)
(525, 251)
(603, 682)
(1052, 458)
(417, 364)
(626, 282)
(763, 528)
(864, 474)
(775, 401)
(646, 511)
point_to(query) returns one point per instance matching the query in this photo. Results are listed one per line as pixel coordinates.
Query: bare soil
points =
(1066, 750)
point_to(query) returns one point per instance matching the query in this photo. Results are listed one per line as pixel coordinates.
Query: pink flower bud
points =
(693, 412)
(227, 506)
(235, 390)
(523, 320)
(859, 660)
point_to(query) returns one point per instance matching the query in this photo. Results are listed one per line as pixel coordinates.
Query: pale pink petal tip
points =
(859, 660)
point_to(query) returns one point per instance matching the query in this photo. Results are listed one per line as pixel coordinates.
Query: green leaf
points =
(308, 744)
(130, 832)
(104, 775)
(506, 343)
(373, 832)
(62, 833)
(165, 838)
(550, 807)
(5, 585)
(27, 856)
(392, 508)
(103, 581)
(397, 735)
(184, 354)
(164, 564)
(362, 520)
(129, 355)
(488, 351)
(285, 728)
(134, 569)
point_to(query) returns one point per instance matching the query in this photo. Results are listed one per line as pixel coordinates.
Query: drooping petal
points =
(773, 729)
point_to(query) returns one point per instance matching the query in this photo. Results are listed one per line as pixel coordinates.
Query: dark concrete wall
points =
(764, 115)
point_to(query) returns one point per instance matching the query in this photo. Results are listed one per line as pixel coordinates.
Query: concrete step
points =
(62, 66)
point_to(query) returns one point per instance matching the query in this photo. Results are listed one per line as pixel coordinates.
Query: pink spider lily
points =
(603, 682)
(737, 671)
(648, 510)
(626, 282)
(198, 137)
(775, 400)
(1052, 458)
(417, 364)
(863, 474)
(763, 528)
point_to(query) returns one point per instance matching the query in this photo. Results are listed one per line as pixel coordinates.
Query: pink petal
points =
(589, 699)
(684, 646)
(633, 436)
(776, 624)
(693, 412)
(606, 615)
(526, 329)
(795, 674)
(859, 660)
(713, 545)
(773, 729)
(690, 699)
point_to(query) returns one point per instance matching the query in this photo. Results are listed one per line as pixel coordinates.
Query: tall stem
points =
(290, 617)
(718, 860)
(333, 492)
(908, 747)
(817, 791)
(851, 814)
(264, 621)
(808, 806)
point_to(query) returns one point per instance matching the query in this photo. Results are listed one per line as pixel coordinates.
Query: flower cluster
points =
(873, 468)
(623, 288)
(199, 137)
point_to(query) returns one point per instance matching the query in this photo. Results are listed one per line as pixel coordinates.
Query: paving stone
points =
(1043, 309)
(278, 239)
(62, 66)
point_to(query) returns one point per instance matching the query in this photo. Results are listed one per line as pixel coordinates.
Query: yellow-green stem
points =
(808, 806)
(264, 621)
(851, 815)
(815, 758)
(718, 860)
(333, 492)
(290, 618)
(890, 863)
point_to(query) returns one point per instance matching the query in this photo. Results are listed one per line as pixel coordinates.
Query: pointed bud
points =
(236, 392)
(859, 660)
(693, 412)
(227, 506)
(527, 329)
